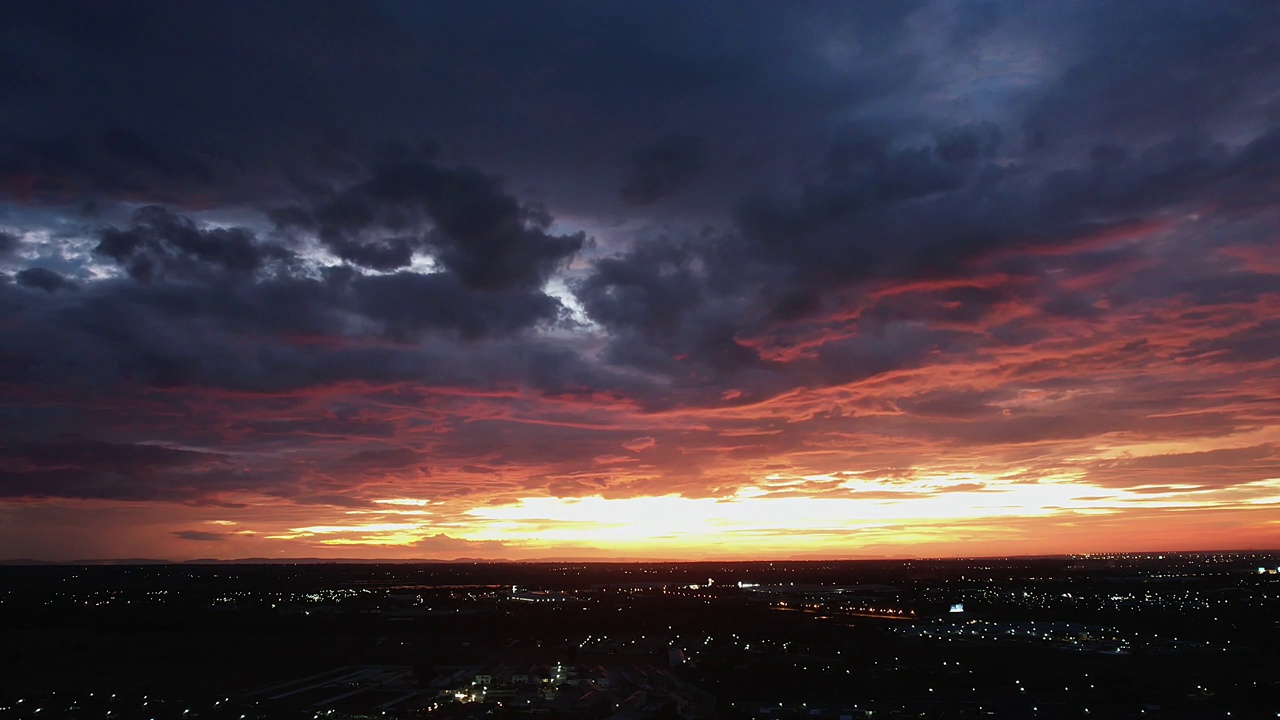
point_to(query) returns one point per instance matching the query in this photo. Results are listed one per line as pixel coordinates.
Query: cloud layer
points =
(659, 280)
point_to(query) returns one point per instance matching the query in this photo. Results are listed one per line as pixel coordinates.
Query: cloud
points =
(631, 251)
(640, 443)
(663, 168)
(1178, 79)
(161, 242)
(1222, 468)
(473, 229)
(407, 304)
(441, 543)
(327, 499)
(47, 280)
(199, 535)
(1259, 342)
(120, 471)
(114, 456)
(387, 459)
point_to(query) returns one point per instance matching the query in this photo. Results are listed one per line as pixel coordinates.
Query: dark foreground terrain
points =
(1126, 636)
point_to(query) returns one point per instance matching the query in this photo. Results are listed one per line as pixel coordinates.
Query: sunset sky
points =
(659, 279)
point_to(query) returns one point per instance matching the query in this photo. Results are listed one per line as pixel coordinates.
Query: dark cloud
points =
(387, 459)
(650, 290)
(531, 85)
(880, 212)
(461, 217)
(957, 404)
(43, 279)
(1259, 342)
(327, 499)
(8, 243)
(968, 143)
(877, 212)
(481, 234)
(1141, 72)
(118, 471)
(664, 168)
(406, 304)
(160, 242)
(199, 535)
(116, 457)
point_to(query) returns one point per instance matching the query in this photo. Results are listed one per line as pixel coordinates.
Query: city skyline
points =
(740, 280)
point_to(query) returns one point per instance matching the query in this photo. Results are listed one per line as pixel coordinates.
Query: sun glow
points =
(784, 514)
(755, 517)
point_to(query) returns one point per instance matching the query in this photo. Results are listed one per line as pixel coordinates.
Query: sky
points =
(656, 280)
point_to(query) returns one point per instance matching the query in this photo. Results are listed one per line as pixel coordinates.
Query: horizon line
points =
(20, 562)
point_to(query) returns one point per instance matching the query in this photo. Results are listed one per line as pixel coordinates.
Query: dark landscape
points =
(1180, 635)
